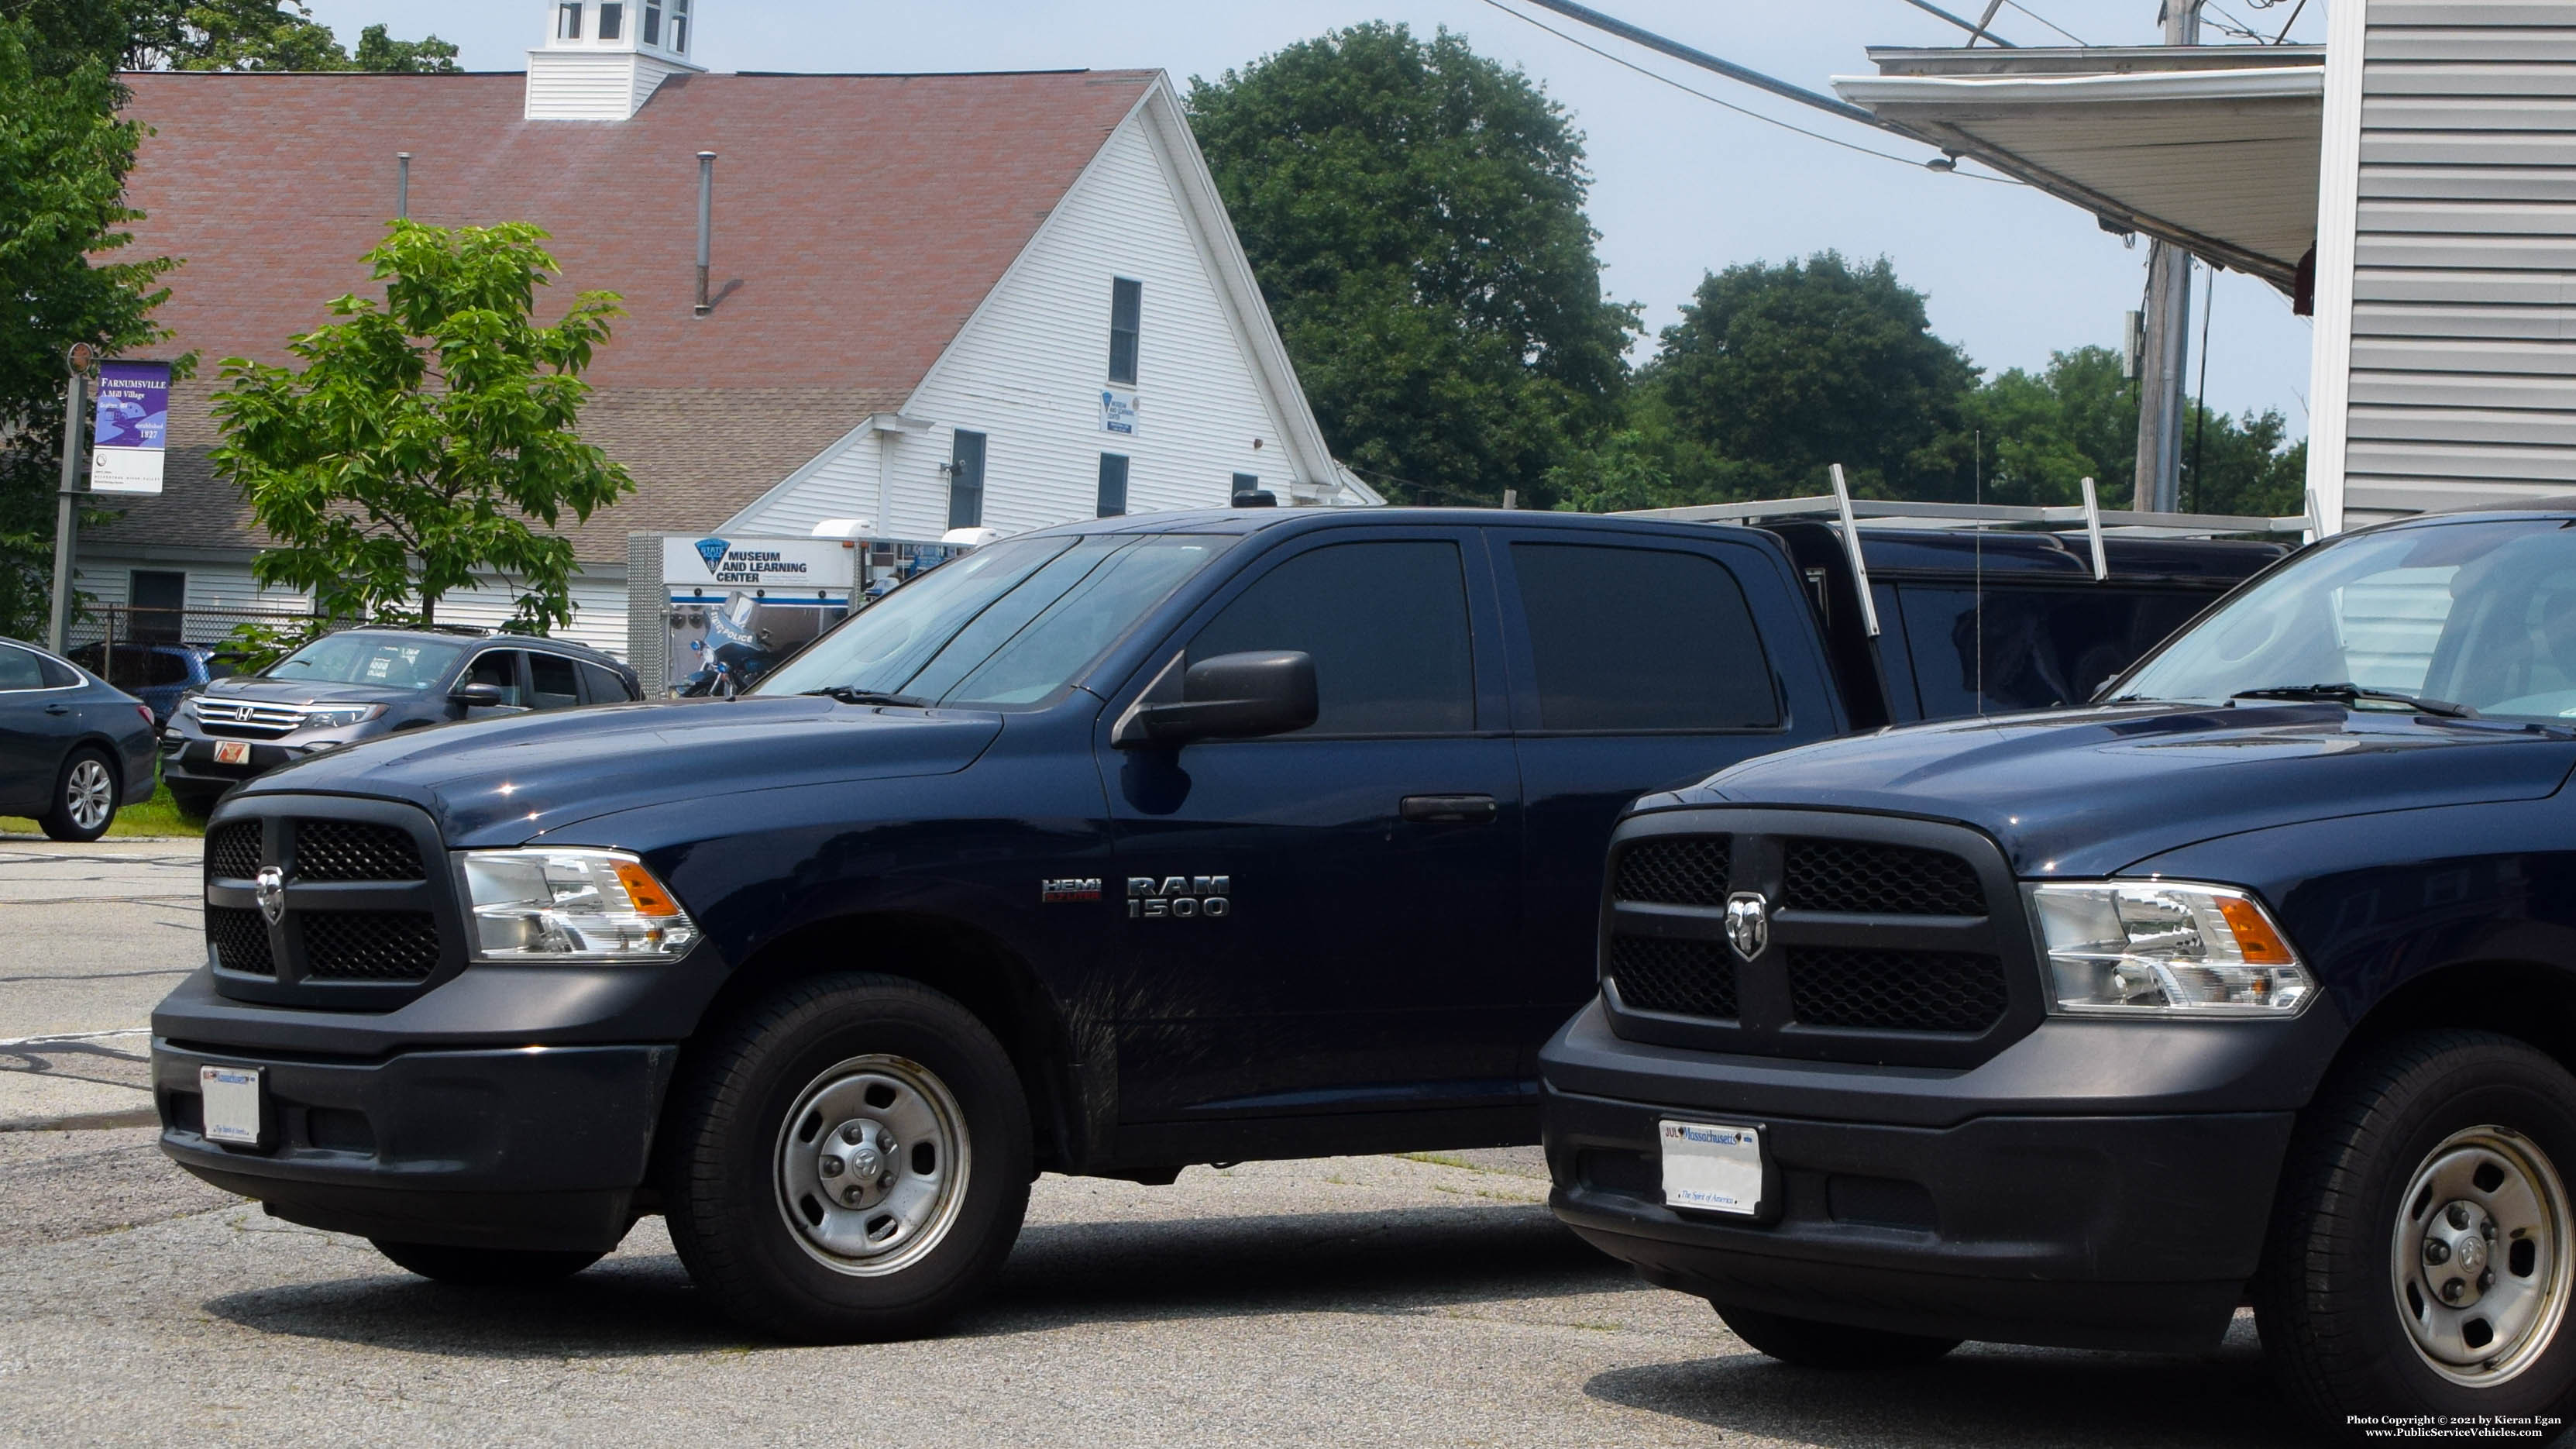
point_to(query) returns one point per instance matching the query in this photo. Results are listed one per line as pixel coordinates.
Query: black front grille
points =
(1860, 877)
(1895, 990)
(232, 851)
(1685, 978)
(335, 850)
(369, 945)
(1676, 870)
(240, 939)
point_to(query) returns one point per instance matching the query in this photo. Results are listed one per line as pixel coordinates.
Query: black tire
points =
(485, 1267)
(2335, 1320)
(729, 1152)
(84, 774)
(1810, 1344)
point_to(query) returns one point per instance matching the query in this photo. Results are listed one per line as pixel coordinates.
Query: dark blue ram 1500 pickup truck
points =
(1105, 849)
(2253, 983)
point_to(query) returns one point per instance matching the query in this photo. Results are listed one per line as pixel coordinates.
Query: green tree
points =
(1415, 214)
(1786, 369)
(210, 35)
(2079, 418)
(63, 160)
(2042, 435)
(380, 52)
(425, 433)
(2242, 465)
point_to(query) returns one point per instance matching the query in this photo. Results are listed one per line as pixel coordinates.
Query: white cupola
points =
(603, 59)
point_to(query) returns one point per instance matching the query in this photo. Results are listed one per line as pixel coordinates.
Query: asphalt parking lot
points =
(1362, 1301)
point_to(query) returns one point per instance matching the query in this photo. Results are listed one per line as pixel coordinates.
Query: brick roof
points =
(859, 220)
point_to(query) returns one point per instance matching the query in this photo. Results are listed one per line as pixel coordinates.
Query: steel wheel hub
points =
(89, 794)
(2480, 1256)
(872, 1164)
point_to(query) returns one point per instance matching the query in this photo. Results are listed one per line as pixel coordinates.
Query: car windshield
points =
(2469, 617)
(1010, 623)
(369, 659)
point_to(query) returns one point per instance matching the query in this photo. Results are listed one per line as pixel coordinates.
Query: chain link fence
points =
(115, 641)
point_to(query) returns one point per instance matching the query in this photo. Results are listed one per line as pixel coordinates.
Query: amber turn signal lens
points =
(649, 899)
(2254, 935)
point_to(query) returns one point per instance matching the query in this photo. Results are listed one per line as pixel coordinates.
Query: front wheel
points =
(84, 802)
(849, 1161)
(1811, 1344)
(2423, 1248)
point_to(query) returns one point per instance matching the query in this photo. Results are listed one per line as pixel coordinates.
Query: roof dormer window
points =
(680, 26)
(612, 21)
(652, 22)
(568, 20)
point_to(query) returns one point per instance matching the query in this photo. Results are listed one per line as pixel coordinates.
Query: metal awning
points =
(2213, 148)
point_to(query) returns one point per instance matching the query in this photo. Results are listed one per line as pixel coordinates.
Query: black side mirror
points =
(479, 696)
(1230, 697)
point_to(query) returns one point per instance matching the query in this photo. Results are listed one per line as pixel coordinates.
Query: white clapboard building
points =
(933, 301)
(2412, 183)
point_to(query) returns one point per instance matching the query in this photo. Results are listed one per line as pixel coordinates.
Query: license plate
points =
(232, 752)
(231, 1103)
(1712, 1167)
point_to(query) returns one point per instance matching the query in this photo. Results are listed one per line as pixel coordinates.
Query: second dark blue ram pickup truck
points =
(1105, 849)
(2253, 983)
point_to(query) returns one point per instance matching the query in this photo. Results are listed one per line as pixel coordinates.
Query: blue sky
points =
(1681, 186)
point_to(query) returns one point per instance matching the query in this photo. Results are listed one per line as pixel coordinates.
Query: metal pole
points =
(706, 223)
(2167, 354)
(402, 184)
(66, 513)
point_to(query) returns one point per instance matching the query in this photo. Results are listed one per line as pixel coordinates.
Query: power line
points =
(1639, 35)
(1905, 161)
(1975, 28)
(2044, 20)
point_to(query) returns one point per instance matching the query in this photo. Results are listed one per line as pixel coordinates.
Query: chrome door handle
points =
(1447, 809)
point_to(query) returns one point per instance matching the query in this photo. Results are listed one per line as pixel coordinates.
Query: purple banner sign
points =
(133, 425)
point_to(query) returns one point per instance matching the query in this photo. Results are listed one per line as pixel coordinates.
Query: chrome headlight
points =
(332, 717)
(2165, 948)
(571, 905)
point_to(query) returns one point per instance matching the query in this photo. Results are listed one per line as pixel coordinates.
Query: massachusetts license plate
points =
(232, 752)
(231, 1102)
(1712, 1167)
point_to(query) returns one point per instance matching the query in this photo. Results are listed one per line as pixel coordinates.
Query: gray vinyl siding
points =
(2463, 380)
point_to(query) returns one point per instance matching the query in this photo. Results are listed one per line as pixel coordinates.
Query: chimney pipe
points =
(706, 222)
(402, 184)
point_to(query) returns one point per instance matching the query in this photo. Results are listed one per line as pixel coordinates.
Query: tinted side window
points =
(501, 667)
(18, 670)
(1386, 624)
(58, 675)
(1641, 639)
(555, 680)
(607, 686)
(165, 668)
(2030, 648)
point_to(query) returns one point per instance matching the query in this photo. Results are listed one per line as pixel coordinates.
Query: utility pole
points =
(2166, 357)
(58, 617)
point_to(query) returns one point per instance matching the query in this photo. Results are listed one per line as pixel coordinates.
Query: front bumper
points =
(517, 1147)
(1933, 1202)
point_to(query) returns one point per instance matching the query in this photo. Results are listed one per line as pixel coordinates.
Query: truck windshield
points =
(2457, 618)
(1010, 623)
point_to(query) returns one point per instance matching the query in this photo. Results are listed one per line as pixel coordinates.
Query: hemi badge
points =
(1083, 889)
